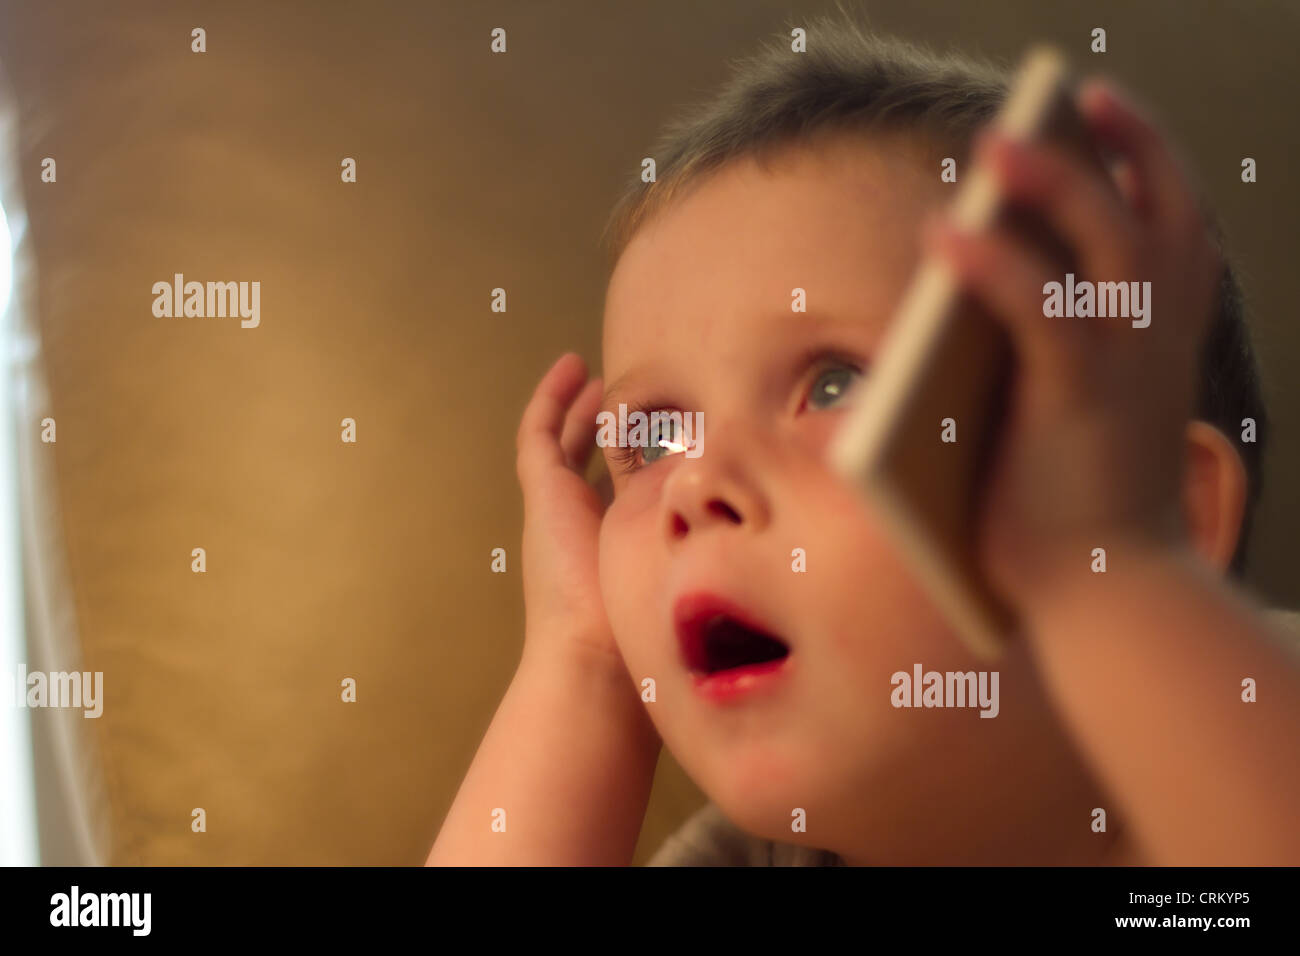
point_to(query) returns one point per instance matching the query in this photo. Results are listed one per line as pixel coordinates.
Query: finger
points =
(1008, 276)
(1079, 203)
(579, 436)
(1126, 128)
(1130, 187)
(537, 440)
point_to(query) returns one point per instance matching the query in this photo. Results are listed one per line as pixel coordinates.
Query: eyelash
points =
(627, 458)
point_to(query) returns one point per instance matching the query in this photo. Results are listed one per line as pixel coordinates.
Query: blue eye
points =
(831, 385)
(665, 439)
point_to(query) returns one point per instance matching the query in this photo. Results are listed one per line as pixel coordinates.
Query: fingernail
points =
(1005, 151)
(941, 234)
(1095, 92)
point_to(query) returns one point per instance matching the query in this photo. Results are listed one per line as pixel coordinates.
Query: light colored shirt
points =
(708, 838)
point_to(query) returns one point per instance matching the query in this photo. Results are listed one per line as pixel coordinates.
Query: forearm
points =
(569, 757)
(1147, 664)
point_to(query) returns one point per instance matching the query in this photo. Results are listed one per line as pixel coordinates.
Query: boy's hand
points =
(562, 515)
(1093, 452)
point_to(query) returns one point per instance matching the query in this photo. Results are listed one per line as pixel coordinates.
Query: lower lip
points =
(740, 682)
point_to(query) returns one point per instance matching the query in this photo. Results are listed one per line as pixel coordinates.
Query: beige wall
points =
(371, 561)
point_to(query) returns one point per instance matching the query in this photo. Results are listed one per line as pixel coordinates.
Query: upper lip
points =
(693, 611)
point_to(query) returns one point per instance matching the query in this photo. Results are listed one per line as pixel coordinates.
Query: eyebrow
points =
(621, 385)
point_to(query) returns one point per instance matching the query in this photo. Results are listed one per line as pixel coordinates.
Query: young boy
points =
(1126, 728)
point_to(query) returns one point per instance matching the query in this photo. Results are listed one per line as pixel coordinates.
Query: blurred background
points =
(371, 560)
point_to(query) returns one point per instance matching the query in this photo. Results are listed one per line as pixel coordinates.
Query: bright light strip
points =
(18, 834)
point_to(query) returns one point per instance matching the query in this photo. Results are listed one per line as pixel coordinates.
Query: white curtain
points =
(52, 799)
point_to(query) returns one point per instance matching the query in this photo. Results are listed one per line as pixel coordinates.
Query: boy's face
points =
(698, 318)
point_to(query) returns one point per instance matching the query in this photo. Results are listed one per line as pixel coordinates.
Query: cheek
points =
(877, 611)
(819, 428)
(629, 569)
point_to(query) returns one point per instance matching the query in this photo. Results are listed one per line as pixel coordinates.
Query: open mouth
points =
(727, 644)
(715, 638)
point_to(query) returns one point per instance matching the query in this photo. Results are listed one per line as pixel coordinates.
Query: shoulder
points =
(1288, 625)
(708, 838)
(1288, 620)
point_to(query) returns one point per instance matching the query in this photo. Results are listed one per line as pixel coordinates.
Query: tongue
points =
(729, 644)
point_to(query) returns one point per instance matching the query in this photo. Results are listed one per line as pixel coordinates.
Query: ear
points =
(1214, 493)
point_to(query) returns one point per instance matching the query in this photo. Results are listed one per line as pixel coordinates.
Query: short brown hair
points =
(854, 81)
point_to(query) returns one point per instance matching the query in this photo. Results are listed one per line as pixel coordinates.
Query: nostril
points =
(723, 510)
(714, 509)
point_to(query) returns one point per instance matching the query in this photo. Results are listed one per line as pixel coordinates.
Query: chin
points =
(759, 786)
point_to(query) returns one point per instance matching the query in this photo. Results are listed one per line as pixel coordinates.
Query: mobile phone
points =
(943, 358)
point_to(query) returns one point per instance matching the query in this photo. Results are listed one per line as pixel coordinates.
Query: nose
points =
(717, 489)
